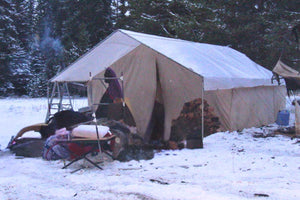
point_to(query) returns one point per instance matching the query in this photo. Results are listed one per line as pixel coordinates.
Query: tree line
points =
(38, 38)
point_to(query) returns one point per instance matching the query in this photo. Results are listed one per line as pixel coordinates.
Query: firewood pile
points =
(189, 123)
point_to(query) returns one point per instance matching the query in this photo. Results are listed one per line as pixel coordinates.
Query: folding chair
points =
(80, 148)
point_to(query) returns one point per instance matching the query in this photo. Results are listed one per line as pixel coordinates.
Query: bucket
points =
(283, 117)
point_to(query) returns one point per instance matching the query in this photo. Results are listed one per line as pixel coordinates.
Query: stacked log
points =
(189, 123)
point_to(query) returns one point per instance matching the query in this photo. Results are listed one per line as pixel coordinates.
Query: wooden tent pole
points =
(94, 116)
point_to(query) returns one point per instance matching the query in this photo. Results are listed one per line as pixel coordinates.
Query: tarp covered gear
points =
(290, 75)
(27, 147)
(68, 118)
(173, 72)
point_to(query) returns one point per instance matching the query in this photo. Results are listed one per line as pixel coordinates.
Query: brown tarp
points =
(286, 71)
(290, 75)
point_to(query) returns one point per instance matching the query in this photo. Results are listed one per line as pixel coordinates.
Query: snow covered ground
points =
(232, 165)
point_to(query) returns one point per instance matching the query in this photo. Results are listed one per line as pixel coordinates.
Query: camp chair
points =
(85, 140)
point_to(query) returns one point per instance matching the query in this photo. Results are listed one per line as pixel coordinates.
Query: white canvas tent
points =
(174, 72)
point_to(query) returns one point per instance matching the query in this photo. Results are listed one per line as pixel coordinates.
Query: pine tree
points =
(88, 22)
(78, 45)
(145, 16)
(20, 57)
(96, 14)
(52, 50)
(281, 16)
(38, 83)
(119, 13)
(191, 20)
(23, 21)
(7, 41)
(260, 29)
(14, 58)
(195, 20)
(20, 70)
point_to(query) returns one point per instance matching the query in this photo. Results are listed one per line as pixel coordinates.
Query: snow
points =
(232, 165)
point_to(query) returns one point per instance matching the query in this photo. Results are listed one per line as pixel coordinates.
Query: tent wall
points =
(178, 85)
(240, 108)
(279, 99)
(221, 101)
(139, 72)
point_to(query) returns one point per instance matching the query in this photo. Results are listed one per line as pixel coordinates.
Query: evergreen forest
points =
(39, 38)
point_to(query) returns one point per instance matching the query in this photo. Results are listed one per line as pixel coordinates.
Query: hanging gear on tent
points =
(112, 93)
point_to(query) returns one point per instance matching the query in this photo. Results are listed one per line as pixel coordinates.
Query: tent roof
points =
(222, 67)
(98, 58)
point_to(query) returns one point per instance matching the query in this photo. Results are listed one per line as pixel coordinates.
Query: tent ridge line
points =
(166, 38)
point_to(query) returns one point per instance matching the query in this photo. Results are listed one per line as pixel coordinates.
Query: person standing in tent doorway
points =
(112, 94)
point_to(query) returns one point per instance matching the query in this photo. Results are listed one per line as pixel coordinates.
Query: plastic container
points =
(283, 118)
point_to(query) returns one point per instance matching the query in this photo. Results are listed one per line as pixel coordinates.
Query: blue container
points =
(283, 118)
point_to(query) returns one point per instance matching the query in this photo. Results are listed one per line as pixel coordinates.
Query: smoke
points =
(52, 51)
(50, 44)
